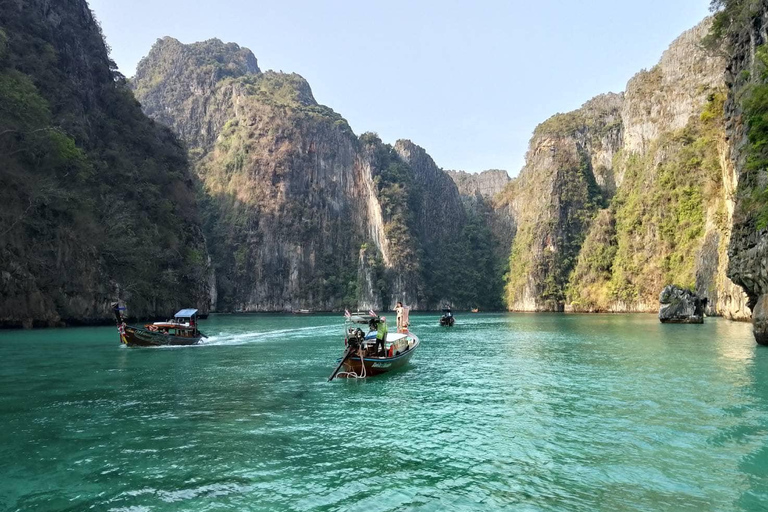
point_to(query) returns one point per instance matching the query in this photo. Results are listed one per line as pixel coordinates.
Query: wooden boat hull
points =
(377, 366)
(138, 337)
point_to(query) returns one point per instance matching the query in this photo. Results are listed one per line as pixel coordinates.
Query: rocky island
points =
(679, 306)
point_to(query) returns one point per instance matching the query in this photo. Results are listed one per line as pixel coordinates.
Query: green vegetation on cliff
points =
(548, 249)
(734, 19)
(97, 199)
(482, 267)
(654, 227)
(556, 198)
(398, 199)
(449, 259)
(754, 103)
(290, 195)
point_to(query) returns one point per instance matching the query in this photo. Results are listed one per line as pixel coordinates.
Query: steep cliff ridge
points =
(180, 86)
(488, 213)
(664, 98)
(628, 194)
(486, 184)
(286, 193)
(283, 208)
(301, 213)
(98, 203)
(670, 220)
(743, 26)
(450, 258)
(566, 179)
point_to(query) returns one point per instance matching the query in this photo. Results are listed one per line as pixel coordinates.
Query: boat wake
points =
(255, 337)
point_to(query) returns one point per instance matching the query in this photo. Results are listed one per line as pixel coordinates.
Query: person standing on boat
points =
(381, 335)
(400, 310)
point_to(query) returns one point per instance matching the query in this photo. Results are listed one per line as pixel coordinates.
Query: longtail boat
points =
(447, 319)
(182, 330)
(360, 358)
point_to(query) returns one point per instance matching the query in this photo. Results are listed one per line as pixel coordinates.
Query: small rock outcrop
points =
(679, 306)
(760, 316)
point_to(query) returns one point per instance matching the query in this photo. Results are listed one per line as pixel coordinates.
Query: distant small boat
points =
(182, 330)
(302, 312)
(475, 310)
(360, 359)
(447, 319)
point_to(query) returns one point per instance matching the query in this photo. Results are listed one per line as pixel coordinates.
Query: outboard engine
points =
(355, 338)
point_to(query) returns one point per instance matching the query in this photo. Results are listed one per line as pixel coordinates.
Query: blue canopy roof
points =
(186, 313)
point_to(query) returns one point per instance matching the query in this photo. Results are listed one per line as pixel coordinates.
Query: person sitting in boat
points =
(381, 335)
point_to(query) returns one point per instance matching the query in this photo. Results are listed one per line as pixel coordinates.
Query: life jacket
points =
(392, 350)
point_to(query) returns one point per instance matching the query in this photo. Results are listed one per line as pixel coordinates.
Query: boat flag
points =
(347, 313)
(372, 312)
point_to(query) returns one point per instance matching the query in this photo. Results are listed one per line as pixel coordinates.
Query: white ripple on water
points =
(223, 339)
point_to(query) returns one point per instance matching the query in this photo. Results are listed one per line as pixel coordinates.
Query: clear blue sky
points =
(467, 80)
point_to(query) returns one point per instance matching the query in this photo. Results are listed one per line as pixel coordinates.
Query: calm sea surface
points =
(502, 412)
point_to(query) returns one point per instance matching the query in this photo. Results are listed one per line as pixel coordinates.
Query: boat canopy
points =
(391, 337)
(186, 313)
(360, 318)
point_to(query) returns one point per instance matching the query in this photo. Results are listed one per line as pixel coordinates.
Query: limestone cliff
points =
(98, 201)
(630, 193)
(280, 175)
(486, 184)
(481, 194)
(669, 222)
(300, 212)
(566, 180)
(743, 27)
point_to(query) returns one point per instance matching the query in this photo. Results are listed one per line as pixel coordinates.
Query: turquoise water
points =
(502, 412)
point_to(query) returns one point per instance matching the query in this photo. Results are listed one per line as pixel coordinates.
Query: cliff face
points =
(98, 203)
(481, 194)
(486, 184)
(300, 212)
(180, 86)
(670, 220)
(280, 175)
(565, 181)
(744, 28)
(637, 194)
